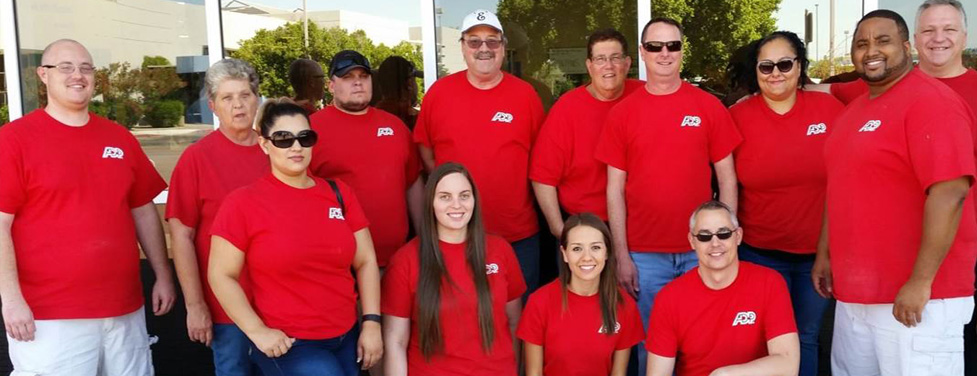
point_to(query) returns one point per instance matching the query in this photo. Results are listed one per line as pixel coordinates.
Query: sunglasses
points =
(705, 238)
(285, 139)
(655, 46)
(475, 44)
(784, 66)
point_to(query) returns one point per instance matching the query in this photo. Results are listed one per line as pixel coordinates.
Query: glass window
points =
(907, 9)
(147, 54)
(820, 51)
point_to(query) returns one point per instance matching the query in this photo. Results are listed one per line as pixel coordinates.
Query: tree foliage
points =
(127, 93)
(271, 52)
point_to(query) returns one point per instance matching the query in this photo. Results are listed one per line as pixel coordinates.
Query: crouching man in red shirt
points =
(724, 317)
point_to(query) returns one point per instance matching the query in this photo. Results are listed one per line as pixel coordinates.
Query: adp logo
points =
(871, 126)
(502, 117)
(113, 152)
(691, 121)
(336, 213)
(492, 268)
(617, 328)
(745, 318)
(387, 131)
(819, 128)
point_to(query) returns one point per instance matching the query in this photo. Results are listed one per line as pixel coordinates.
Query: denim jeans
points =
(322, 357)
(527, 252)
(809, 307)
(655, 270)
(231, 347)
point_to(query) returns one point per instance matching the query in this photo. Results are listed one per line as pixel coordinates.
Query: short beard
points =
(352, 106)
(889, 71)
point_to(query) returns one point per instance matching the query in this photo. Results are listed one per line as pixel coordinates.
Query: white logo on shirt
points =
(112, 152)
(385, 132)
(745, 318)
(336, 213)
(871, 126)
(502, 117)
(492, 268)
(691, 121)
(819, 128)
(617, 328)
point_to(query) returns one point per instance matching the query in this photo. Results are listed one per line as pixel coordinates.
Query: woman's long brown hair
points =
(608, 292)
(433, 273)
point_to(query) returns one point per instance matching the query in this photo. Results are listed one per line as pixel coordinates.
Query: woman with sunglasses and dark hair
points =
(452, 294)
(781, 171)
(298, 236)
(583, 309)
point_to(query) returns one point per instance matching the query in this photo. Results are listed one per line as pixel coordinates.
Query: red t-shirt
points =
(563, 332)
(881, 158)
(665, 143)
(373, 153)
(964, 84)
(706, 329)
(563, 156)
(299, 247)
(491, 132)
(71, 191)
(207, 171)
(846, 92)
(459, 309)
(780, 168)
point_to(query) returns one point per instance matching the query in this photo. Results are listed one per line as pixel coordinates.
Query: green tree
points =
(822, 69)
(970, 58)
(270, 52)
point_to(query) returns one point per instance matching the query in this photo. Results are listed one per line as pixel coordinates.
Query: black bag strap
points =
(339, 196)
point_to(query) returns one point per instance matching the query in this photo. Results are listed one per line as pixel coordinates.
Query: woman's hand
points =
(272, 342)
(369, 349)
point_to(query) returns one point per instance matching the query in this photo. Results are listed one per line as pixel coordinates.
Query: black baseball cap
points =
(347, 60)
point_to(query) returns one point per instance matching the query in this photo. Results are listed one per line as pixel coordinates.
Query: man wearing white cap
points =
(487, 120)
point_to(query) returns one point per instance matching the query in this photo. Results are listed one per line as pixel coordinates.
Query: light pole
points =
(305, 26)
(817, 46)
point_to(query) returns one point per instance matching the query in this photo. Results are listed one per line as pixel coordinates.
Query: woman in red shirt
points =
(298, 236)
(575, 311)
(452, 295)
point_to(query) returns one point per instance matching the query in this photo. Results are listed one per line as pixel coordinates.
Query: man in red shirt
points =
(658, 144)
(76, 191)
(563, 170)
(371, 150)
(900, 240)
(488, 120)
(725, 317)
(308, 82)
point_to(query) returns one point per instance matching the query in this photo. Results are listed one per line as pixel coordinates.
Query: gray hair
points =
(229, 68)
(713, 205)
(953, 3)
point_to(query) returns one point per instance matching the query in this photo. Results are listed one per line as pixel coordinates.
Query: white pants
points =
(868, 340)
(113, 346)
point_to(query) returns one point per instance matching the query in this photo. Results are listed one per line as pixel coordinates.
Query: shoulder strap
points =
(339, 196)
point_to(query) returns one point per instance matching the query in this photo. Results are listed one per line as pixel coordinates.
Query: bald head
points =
(52, 47)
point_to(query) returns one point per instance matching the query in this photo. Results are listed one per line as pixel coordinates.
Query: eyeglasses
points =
(69, 68)
(603, 60)
(475, 43)
(705, 238)
(656, 46)
(784, 66)
(285, 139)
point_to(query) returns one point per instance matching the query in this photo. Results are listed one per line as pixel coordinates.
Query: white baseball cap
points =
(481, 17)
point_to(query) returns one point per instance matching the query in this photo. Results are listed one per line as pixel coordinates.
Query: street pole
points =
(305, 26)
(831, 38)
(817, 36)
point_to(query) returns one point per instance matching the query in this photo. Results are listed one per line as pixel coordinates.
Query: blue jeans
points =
(809, 307)
(655, 270)
(322, 357)
(231, 348)
(527, 252)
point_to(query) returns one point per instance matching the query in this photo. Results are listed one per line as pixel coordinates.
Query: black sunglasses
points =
(784, 66)
(655, 46)
(475, 44)
(705, 238)
(285, 139)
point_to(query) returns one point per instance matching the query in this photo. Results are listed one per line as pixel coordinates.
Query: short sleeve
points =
(147, 183)
(780, 314)
(724, 136)
(424, 124)
(549, 157)
(632, 330)
(515, 284)
(396, 297)
(183, 200)
(846, 92)
(940, 142)
(231, 221)
(662, 337)
(353, 213)
(612, 148)
(532, 323)
(13, 184)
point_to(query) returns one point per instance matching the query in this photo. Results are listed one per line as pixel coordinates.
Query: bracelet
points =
(372, 317)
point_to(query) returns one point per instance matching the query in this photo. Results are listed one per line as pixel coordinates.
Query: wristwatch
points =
(372, 317)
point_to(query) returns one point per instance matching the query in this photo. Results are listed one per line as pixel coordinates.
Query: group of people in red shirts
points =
(289, 225)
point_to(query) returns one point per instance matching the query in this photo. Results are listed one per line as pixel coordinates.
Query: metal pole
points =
(305, 26)
(831, 39)
(817, 46)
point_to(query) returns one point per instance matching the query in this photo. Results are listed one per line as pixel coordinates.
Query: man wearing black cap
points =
(370, 150)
